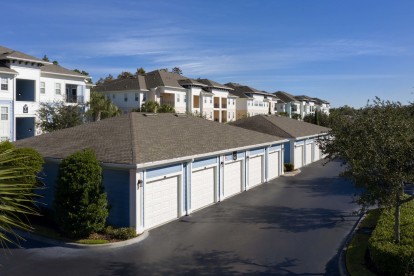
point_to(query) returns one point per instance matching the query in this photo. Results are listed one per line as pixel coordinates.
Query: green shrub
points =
(80, 201)
(389, 257)
(166, 108)
(288, 167)
(120, 233)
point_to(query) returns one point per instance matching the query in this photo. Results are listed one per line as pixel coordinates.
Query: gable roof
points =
(136, 83)
(59, 70)
(285, 96)
(163, 78)
(242, 90)
(7, 70)
(137, 139)
(280, 126)
(7, 53)
(213, 84)
(304, 98)
(320, 101)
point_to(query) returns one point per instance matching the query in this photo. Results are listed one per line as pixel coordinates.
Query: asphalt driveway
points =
(289, 226)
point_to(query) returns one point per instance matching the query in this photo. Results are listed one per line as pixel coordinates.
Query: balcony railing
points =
(216, 105)
(224, 106)
(75, 99)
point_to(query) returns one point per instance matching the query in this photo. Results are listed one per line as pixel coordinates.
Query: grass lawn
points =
(356, 252)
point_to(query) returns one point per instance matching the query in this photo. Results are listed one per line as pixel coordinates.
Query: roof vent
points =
(150, 114)
(180, 115)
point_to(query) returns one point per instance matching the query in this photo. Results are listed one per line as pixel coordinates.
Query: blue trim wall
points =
(154, 172)
(287, 152)
(116, 184)
(256, 151)
(240, 155)
(204, 162)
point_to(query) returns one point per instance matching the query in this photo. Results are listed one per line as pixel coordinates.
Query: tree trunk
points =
(397, 222)
(98, 116)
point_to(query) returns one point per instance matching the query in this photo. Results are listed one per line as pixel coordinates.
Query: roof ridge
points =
(266, 118)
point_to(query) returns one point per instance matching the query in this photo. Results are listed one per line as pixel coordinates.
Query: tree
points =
(318, 118)
(55, 62)
(377, 147)
(57, 115)
(45, 58)
(83, 72)
(150, 106)
(177, 70)
(296, 116)
(105, 80)
(101, 107)
(125, 75)
(18, 170)
(80, 203)
(140, 71)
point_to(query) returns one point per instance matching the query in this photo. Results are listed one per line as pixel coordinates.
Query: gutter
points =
(198, 156)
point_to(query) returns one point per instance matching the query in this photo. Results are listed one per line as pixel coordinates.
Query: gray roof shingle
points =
(213, 84)
(7, 70)
(137, 139)
(7, 53)
(241, 90)
(285, 97)
(136, 83)
(280, 126)
(57, 69)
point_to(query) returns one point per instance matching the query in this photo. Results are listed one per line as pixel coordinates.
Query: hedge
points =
(389, 257)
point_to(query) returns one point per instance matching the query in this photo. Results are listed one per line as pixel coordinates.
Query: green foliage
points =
(166, 108)
(388, 257)
(140, 71)
(45, 58)
(177, 70)
(124, 233)
(125, 75)
(18, 169)
(318, 118)
(80, 201)
(101, 107)
(377, 146)
(296, 116)
(283, 114)
(57, 115)
(150, 106)
(107, 79)
(288, 167)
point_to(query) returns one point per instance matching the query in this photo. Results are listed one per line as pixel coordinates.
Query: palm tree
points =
(101, 107)
(16, 197)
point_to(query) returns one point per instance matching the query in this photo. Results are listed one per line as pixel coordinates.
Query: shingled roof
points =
(137, 139)
(7, 70)
(7, 53)
(213, 84)
(241, 90)
(280, 126)
(285, 96)
(59, 70)
(136, 83)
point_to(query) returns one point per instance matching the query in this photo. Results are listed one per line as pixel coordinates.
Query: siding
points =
(116, 184)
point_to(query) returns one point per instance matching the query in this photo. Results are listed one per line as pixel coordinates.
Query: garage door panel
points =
(232, 178)
(255, 171)
(298, 157)
(316, 152)
(308, 154)
(273, 165)
(160, 201)
(202, 188)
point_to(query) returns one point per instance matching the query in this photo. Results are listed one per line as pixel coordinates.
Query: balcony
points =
(75, 99)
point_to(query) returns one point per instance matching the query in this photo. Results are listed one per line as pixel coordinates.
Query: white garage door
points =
(273, 165)
(298, 157)
(316, 152)
(202, 188)
(232, 178)
(308, 154)
(255, 171)
(160, 201)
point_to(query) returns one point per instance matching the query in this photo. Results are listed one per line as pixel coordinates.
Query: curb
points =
(343, 271)
(35, 237)
(292, 173)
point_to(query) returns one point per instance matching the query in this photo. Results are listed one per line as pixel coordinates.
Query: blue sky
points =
(343, 51)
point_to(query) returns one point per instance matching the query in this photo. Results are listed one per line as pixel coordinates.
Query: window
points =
(58, 90)
(113, 96)
(42, 87)
(108, 97)
(144, 97)
(125, 97)
(4, 84)
(211, 100)
(4, 113)
(205, 99)
(211, 114)
(136, 97)
(185, 98)
(178, 98)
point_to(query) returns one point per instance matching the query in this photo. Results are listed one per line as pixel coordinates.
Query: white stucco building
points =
(27, 81)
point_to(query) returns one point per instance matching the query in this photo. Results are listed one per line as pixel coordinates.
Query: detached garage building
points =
(158, 167)
(302, 148)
